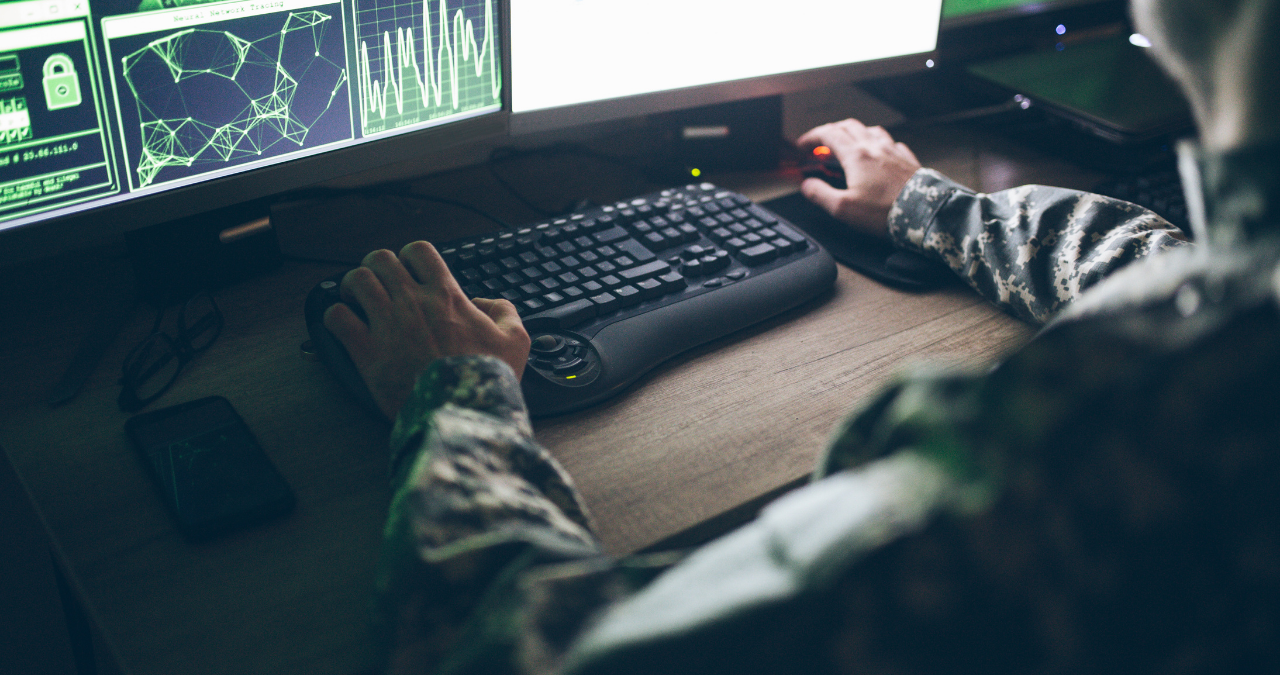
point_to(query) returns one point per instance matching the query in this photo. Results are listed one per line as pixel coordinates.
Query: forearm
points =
(474, 499)
(1030, 250)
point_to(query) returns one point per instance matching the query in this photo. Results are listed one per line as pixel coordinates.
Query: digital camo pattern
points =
(474, 499)
(1031, 249)
(1130, 457)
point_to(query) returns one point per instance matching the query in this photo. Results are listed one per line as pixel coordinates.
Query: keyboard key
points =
(634, 249)
(646, 270)
(672, 281)
(762, 214)
(758, 255)
(627, 295)
(610, 235)
(571, 314)
(795, 237)
(605, 302)
(695, 251)
(649, 288)
(657, 242)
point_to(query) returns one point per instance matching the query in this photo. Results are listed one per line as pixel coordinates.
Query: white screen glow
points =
(565, 52)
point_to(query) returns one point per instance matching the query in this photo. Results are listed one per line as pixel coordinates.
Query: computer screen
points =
(956, 10)
(121, 113)
(580, 61)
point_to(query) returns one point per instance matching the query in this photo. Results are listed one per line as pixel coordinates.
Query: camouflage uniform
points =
(1103, 500)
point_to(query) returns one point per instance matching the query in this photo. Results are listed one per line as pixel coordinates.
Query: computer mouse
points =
(822, 163)
(326, 344)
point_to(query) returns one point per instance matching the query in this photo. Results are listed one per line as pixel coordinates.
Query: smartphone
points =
(209, 468)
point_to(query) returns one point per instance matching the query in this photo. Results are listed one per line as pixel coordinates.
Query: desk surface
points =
(701, 435)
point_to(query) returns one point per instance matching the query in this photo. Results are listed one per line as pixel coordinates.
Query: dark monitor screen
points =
(116, 114)
(977, 10)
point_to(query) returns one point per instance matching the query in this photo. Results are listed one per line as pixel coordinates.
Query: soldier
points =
(1103, 500)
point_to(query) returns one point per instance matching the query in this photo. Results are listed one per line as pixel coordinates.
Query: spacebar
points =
(567, 316)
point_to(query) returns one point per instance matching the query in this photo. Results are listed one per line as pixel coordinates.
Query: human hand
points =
(875, 168)
(417, 314)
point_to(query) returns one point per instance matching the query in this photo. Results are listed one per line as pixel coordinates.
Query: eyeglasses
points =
(153, 366)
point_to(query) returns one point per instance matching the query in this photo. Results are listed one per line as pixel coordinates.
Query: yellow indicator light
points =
(569, 377)
(696, 172)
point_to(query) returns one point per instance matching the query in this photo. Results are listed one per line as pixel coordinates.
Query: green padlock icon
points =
(61, 84)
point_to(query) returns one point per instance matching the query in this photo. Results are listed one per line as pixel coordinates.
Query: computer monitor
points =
(978, 29)
(970, 11)
(577, 62)
(119, 114)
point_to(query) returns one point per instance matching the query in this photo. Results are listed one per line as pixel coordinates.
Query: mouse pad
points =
(873, 257)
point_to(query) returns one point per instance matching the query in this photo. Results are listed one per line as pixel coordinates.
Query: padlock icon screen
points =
(61, 84)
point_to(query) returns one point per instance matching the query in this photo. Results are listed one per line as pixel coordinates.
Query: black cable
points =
(403, 192)
(650, 174)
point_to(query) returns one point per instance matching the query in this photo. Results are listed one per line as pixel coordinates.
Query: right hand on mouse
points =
(876, 168)
(417, 313)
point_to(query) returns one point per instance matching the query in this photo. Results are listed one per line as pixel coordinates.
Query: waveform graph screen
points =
(220, 88)
(420, 61)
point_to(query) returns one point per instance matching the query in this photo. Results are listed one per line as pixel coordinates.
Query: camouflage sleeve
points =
(474, 501)
(1031, 249)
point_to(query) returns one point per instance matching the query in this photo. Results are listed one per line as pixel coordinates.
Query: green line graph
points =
(457, 71)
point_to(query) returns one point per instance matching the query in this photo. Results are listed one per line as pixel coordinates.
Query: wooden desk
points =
(701, 435)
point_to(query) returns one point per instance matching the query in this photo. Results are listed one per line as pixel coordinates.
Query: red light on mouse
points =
(821, 151)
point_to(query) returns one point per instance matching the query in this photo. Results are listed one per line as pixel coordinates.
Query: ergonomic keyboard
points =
(608, 293)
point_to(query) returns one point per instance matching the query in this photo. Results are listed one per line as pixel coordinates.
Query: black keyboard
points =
(610, 292)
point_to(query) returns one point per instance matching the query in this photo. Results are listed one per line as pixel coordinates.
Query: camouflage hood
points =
(1232, 197)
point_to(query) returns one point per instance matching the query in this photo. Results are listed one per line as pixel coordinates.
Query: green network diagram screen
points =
(103, 100)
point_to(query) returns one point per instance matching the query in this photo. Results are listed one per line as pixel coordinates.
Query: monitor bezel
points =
(89, 225)
(594, 113)
(1001, 32)
(529, 122)
(995, 15)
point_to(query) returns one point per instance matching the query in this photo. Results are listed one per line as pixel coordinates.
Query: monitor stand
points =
(172, 260)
